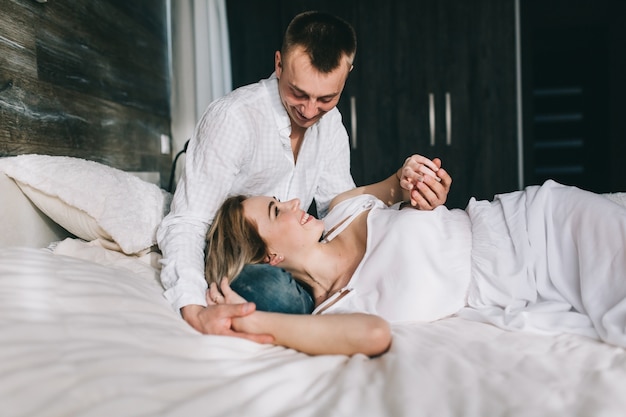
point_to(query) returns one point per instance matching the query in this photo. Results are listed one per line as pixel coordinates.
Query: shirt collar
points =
(280, 114)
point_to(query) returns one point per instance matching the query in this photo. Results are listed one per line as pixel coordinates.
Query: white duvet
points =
(95, 337)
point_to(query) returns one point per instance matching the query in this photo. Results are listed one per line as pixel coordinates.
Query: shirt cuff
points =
(183, 295)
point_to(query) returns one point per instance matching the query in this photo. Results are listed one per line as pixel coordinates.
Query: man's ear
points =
(278, 64)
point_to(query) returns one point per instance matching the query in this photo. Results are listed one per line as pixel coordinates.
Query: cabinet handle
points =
(431, 117)
(448, 120)
(353, 121)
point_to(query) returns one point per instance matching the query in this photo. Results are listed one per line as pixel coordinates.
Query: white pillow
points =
(91, 200)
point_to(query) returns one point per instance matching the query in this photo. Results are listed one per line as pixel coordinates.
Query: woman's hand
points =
(425, 183)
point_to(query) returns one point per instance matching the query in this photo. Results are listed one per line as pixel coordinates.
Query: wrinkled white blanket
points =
(550, 258)
(81, 338)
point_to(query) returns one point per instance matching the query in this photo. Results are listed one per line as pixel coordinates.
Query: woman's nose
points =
(294, 203)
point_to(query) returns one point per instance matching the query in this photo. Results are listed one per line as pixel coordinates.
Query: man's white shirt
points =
(241, 145)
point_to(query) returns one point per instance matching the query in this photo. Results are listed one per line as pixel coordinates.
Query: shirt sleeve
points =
(213, 159)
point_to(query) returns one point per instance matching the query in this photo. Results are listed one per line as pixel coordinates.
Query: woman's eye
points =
(276, 211)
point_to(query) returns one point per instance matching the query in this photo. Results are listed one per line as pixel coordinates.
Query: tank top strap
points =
(345, 212)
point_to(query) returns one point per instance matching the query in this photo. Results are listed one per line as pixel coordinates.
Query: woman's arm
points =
(343, 334)
(388, 190)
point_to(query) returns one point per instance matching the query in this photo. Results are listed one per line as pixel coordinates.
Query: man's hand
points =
(217, 320)
(223, 295)
(425, 181)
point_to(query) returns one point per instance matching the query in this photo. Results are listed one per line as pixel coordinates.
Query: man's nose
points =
(310, 108)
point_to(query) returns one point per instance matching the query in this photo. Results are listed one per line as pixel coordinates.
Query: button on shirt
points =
(241, 145)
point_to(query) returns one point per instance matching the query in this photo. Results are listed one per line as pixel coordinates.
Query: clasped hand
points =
(222, 308)
(425, 182)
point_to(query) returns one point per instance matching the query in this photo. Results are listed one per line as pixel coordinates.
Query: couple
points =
(282, 136)
(550, 258)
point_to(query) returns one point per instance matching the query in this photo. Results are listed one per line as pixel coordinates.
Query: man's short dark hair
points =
(325, 37)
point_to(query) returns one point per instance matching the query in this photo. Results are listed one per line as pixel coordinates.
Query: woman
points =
(549, 258)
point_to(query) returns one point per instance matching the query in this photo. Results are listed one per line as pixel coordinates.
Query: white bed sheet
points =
(81, 338)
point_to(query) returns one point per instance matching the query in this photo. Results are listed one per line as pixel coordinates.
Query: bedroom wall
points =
(87, 79)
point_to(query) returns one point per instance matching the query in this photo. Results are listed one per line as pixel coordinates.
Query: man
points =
(282, 136)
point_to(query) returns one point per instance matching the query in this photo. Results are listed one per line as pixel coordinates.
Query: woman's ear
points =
(274, 259)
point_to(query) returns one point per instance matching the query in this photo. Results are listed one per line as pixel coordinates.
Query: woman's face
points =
(284, 226)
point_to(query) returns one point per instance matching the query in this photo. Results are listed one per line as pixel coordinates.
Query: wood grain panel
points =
(86, 79)
(42, 118)
(17, 38)
(104, 52)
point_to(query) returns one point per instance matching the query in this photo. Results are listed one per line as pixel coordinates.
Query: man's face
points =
(306, 93)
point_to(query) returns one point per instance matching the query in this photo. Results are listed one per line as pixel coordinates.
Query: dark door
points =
(437, 78)
(433, 77)
(574, 88)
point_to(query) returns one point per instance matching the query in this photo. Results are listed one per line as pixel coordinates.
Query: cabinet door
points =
(475, 91)
(390, 85)
(437, 78)
(433, 77)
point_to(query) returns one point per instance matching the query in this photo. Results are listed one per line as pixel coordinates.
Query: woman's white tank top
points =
(416, 265)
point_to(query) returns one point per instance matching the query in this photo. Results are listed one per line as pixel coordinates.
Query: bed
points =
(86, 330)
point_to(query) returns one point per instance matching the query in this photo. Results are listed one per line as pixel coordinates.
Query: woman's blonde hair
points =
(232, 242)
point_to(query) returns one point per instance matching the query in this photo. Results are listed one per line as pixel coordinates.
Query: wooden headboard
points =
(88, 79)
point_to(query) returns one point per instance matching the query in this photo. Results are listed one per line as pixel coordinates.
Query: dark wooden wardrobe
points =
(460, 80)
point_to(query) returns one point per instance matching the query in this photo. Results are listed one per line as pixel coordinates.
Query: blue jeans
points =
(272, 289)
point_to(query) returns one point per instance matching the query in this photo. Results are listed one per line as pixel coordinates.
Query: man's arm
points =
(186, 287)
(212, 162)
(419, 179)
